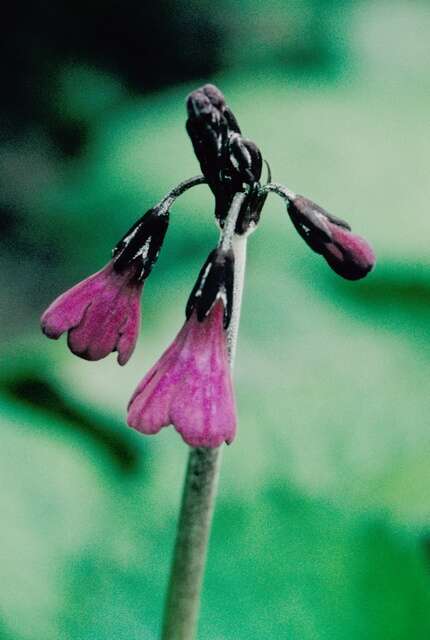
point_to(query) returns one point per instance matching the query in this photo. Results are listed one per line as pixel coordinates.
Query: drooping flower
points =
(102, 313)
(348, 254)
(190, 386)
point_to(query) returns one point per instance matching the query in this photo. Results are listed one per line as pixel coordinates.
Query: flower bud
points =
(208, 129)
(229, 162)
(349, 255)
(245, 161)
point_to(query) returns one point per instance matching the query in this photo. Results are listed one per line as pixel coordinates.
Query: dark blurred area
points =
(148, 46)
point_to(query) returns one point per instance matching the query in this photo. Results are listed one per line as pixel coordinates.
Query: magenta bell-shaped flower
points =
(101, 314)
(190, 386)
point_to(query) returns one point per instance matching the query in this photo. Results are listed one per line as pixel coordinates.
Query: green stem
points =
(183, 598)
(200, 486)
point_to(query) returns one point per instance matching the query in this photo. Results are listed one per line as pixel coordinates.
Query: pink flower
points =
(101, 314)
(190, 386)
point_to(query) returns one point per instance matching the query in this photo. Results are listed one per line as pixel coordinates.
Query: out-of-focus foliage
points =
(322, 527)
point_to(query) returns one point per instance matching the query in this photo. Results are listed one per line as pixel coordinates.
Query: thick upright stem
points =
(183, 597)
(201, 480)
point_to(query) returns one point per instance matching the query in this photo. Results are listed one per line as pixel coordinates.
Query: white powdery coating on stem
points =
(239, 250)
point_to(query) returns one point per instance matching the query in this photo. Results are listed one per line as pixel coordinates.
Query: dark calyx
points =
(214, 282)
(140, 247)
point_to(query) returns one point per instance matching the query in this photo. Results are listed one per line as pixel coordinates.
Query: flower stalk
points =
(201, 482)
(181, 188)
(189, 387)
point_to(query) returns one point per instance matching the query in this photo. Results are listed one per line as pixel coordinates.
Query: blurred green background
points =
(322, 527)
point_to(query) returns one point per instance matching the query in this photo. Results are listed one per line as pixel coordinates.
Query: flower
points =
(101, 314)
(190, 386)
(348, 254)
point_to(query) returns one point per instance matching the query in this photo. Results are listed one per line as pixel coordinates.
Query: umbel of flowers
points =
(190, 385)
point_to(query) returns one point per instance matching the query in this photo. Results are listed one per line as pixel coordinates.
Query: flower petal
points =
(150, 404)
(190, 386)
(129, 330)
(68, 309)
(101, 315)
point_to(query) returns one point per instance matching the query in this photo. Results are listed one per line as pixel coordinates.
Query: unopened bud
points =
(349, 255)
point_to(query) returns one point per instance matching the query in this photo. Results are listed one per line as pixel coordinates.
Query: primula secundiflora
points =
(190, 385)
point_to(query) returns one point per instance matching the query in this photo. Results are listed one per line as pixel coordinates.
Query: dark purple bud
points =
(349, 255)
(229, 162)
(249, 215)
(242, 166)
(214, 95)
(141, 244)
(208, 130)
(210, 99)
(245, 159)
(214, 282)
